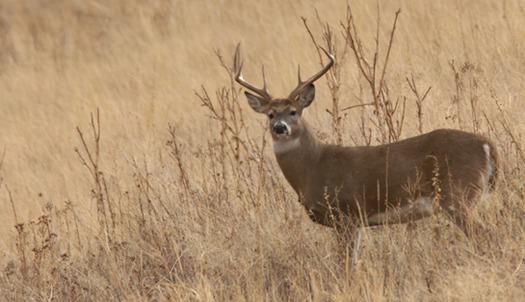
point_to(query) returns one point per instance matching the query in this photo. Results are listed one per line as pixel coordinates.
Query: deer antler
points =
(237, 69)
(315, 77)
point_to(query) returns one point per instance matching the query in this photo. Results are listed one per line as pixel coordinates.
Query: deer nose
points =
(280, 128)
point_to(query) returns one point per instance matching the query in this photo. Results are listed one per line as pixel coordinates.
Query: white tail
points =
(372, 185)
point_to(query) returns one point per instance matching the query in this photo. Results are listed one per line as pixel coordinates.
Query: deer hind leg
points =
(459, 203)
(458, 206)
(459, 218)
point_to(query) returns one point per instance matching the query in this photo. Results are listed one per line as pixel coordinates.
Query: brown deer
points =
(372, 185)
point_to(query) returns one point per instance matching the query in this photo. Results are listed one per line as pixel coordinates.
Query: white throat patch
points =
(285, 146)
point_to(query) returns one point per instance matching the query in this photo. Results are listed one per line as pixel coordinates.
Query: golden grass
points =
(190, 212)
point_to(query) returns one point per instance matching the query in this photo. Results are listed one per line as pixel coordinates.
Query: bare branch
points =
(381, 81)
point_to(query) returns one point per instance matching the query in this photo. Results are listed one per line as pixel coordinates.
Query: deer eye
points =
(270, 115)
(293, 112)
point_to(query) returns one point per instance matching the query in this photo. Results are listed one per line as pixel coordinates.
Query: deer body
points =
(371, 185)
(388, 183)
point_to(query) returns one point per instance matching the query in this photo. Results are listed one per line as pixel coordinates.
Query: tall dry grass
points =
(131, 167)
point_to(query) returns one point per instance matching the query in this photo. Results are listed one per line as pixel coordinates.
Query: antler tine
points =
(264, 79)
(237, 69)
(237, 64)
(315, 77)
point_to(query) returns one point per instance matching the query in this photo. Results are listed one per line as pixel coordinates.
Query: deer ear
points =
(257, 103)
(307, 95)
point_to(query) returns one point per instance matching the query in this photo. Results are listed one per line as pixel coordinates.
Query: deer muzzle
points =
(280, 128)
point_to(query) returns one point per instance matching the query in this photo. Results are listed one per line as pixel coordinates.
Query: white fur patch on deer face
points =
(283, 121)
(281, 130)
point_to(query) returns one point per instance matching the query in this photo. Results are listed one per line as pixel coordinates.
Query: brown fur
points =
(362, 181)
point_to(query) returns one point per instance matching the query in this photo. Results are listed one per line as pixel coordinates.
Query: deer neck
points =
(298, 156)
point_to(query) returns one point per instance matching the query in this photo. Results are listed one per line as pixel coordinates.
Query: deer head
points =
(284, 114)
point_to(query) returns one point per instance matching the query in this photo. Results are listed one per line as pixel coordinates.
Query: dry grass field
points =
(133, 169)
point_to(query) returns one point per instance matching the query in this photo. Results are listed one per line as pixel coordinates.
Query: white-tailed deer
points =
(373, 185)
